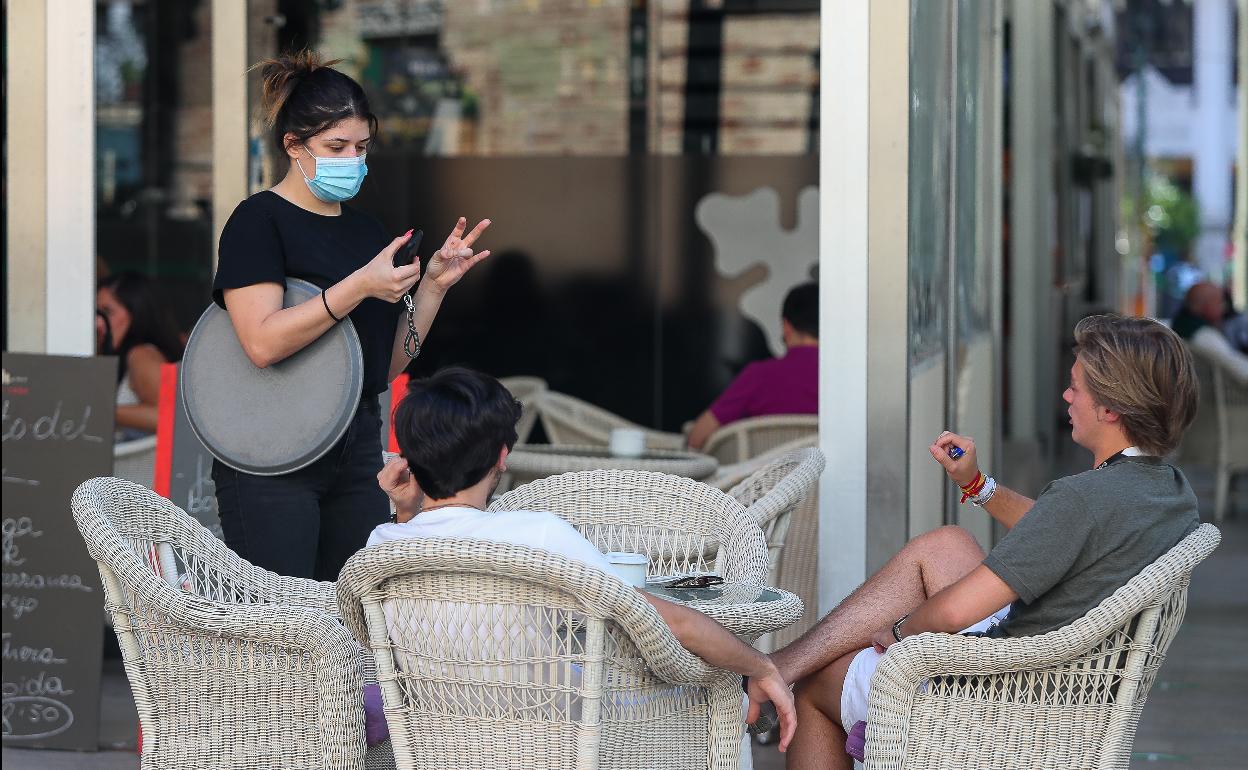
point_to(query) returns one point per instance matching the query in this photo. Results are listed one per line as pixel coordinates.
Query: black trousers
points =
(308, 523)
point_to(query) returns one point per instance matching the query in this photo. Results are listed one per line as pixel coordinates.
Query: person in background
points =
(455, 430)
(787, 385)
(132, 324)
(1202, 323)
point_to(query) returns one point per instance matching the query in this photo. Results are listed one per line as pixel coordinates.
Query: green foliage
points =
(1171, 216)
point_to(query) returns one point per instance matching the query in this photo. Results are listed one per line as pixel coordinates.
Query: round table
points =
(747, 610)
(527, 462)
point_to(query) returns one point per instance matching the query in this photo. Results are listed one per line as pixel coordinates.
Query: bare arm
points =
(143, 365)
(1006, 505)
(703, 427)
(713, 643)
(955, 607)
(270, 333)
(446, 267)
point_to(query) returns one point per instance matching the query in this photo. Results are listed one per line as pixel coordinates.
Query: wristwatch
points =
(897, 626)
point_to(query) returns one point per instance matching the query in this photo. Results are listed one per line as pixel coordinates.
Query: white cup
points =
(627, 442)
(629, 567)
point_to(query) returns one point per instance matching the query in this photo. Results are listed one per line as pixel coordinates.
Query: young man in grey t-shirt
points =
(1132, 394)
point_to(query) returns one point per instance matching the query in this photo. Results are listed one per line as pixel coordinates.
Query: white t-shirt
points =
(491, 632)
(536, 529)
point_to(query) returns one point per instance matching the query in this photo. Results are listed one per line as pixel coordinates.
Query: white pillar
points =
(69, 311)
(1240, 269)
(1214, 123)
(229, 113)
(843, 144)
(25, 195)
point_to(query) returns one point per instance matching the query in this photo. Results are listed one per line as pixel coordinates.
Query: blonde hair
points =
(1140, 369)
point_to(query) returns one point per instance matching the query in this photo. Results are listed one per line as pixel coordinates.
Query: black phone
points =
(407, 252)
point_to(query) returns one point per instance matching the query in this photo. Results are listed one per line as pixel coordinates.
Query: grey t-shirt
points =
(1086, 536)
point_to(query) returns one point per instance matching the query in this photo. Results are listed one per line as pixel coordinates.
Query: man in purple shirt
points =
(788, 385)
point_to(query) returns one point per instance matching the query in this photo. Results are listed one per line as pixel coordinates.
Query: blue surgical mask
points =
(337, 179)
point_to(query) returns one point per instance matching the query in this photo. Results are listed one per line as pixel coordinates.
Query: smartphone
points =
(407, 252)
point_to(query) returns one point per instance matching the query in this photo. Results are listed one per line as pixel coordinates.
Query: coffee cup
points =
(627, 442)
(629, 567)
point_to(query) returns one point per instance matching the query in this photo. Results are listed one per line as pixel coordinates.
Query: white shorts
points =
(862, 668)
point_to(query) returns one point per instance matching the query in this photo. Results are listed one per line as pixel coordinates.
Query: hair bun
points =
(281, 76)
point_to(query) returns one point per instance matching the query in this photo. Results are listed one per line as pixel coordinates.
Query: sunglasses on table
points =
(696, 581)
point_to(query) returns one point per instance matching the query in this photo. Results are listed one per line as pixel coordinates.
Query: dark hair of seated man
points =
(801, 309)
(451, 426)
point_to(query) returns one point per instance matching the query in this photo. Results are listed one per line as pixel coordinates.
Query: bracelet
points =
(897, 626)
(989, 489)
(970, 491)
(325, 302)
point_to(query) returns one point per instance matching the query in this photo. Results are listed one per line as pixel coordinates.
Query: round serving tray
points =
(278, 419)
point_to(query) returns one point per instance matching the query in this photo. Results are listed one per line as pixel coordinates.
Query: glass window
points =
(649, 169)
(153, 106)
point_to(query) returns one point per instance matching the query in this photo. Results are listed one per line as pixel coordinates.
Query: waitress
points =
(308, 522)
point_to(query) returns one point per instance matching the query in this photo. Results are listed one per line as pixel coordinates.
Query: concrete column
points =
(1029, 359)
(229, 113)
(843, 143)
(25, 200)
(69, 311)
(1214, 141)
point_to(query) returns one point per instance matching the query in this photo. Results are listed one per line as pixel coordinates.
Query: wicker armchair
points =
(528, 391)
(503, 656)
(782, 497)
(1070, 698)
(569, 420)
(1231, 407)
(682, 525)
(230, 665)
(744, 439)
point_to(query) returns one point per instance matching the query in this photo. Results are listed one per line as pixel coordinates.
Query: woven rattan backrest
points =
(681, 524)
(744, 439)
(498, 655)
(568, 420)
(1099, 687)
(773, 493)
(155, 531)
(528, 391)
(1231, 398)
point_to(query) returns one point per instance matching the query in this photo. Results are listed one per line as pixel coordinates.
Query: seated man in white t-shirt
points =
(454, 431)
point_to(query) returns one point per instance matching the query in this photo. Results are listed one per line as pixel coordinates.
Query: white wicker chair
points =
(528, 391)
(503, 656)
(136, 460)
(681, 524)
(1231, 407)
(1070, 698)
(230, 665)
(782, 497)
(741, 440)
(569, 420)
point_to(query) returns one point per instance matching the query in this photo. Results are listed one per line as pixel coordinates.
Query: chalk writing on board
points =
(14, 528)
(31, 717)
(11, 479)
(21, 653)
(47, 427)
(201, 497)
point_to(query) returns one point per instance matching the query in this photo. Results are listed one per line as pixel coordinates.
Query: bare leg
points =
(924, 566)
(820, 740)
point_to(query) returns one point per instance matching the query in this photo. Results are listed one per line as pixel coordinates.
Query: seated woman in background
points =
(132, 325)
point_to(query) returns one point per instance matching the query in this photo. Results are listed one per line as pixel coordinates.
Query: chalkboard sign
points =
(183, 465)
(57, 432)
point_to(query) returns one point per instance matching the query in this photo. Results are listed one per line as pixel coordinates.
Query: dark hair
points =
(303, 95)
(150, 322)
(1142, 370)
(801, 308)
(451, 426)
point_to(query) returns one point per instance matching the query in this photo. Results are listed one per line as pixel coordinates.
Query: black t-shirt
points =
(268, 238)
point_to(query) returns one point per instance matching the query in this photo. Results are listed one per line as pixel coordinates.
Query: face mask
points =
(337, 179)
